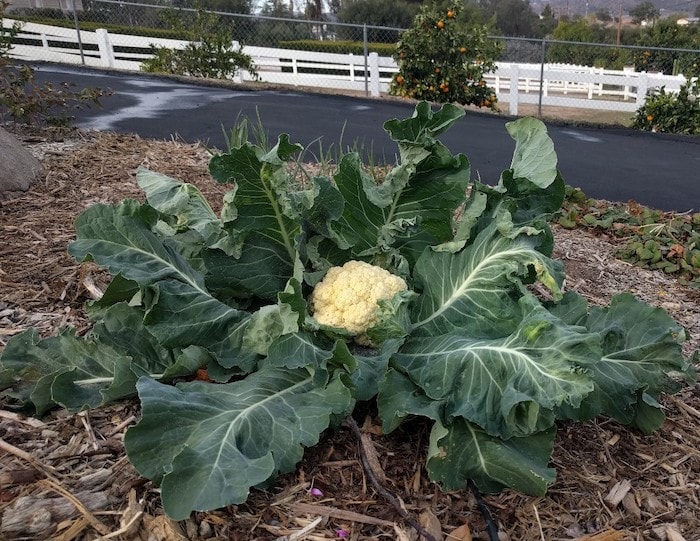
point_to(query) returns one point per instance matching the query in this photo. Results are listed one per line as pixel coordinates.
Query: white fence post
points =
(514, 79)
(374, 74)
(237, 76)
(105, 47)
(642, 85)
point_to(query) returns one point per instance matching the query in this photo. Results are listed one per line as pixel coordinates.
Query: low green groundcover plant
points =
(469, 346)
(651, 238)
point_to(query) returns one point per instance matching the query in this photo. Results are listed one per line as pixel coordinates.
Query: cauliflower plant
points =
(347, 296)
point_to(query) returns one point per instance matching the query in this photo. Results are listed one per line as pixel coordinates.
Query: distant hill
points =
(579, 7)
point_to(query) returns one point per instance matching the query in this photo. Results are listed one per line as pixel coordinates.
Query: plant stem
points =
(380, 488)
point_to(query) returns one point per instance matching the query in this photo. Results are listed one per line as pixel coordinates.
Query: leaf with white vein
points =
(509, 385)
(208, 445)
(462, 451)
(478, 288)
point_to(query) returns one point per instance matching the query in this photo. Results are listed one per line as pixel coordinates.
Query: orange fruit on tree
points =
(450, 14)
(440, 25)
(399, 79)
(462, 50)
(650, 118)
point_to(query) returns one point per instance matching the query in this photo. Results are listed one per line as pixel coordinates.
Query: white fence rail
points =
(552, 84)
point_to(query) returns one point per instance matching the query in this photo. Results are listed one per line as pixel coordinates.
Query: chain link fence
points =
(548, 72)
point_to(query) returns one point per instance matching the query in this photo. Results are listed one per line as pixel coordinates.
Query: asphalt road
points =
(660, 171)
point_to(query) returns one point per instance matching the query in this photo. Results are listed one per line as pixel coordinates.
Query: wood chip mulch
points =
(66, 477)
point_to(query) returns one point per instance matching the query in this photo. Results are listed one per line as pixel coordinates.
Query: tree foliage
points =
(442, 60)
(668, 34)
(584, 31)
(229, 6)
(391, 13)
(644, 11)
(512, 17)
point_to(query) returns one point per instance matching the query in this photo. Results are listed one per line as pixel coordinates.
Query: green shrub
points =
(214, 57)
(583, 31)
(668, 34)
(90, 26)
(671, 113)
(375, 13)
(442, 60)
(211, 55)
(7, 35)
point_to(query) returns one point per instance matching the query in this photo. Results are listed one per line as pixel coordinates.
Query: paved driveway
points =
(616, 164)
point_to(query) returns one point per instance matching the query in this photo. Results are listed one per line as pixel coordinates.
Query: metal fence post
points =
(543, 59)
(365, 47)
(77, 31)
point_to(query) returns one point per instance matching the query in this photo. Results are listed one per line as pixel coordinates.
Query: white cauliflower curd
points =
(347, 296)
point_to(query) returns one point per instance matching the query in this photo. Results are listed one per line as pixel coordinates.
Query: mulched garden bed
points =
(66, 476)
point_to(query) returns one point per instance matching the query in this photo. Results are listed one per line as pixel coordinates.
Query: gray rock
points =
(18, 168)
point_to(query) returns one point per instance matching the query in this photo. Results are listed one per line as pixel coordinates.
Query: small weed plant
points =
(26, 101)
(443, 59)
(463, 342)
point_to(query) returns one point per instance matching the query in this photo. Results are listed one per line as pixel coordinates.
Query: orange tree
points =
(443, 59)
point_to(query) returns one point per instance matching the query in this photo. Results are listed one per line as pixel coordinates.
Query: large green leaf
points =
(267, 210)
(420, 129)
(179, 316)
(414, 205)
(508, 386)
(534, 157)
(79, 373)
(462, 451)
(304, 348)
(207, 445)
(531, 190)
(180, 310)
(120, 239)
(641, 359)
(478, 288)
(372, 366)
(399, 398)
(184, 208)
(85, 373)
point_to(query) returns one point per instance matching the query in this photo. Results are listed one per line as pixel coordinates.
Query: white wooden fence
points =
(562, 85)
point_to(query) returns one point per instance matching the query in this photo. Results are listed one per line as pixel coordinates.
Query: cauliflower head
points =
(347, 296)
